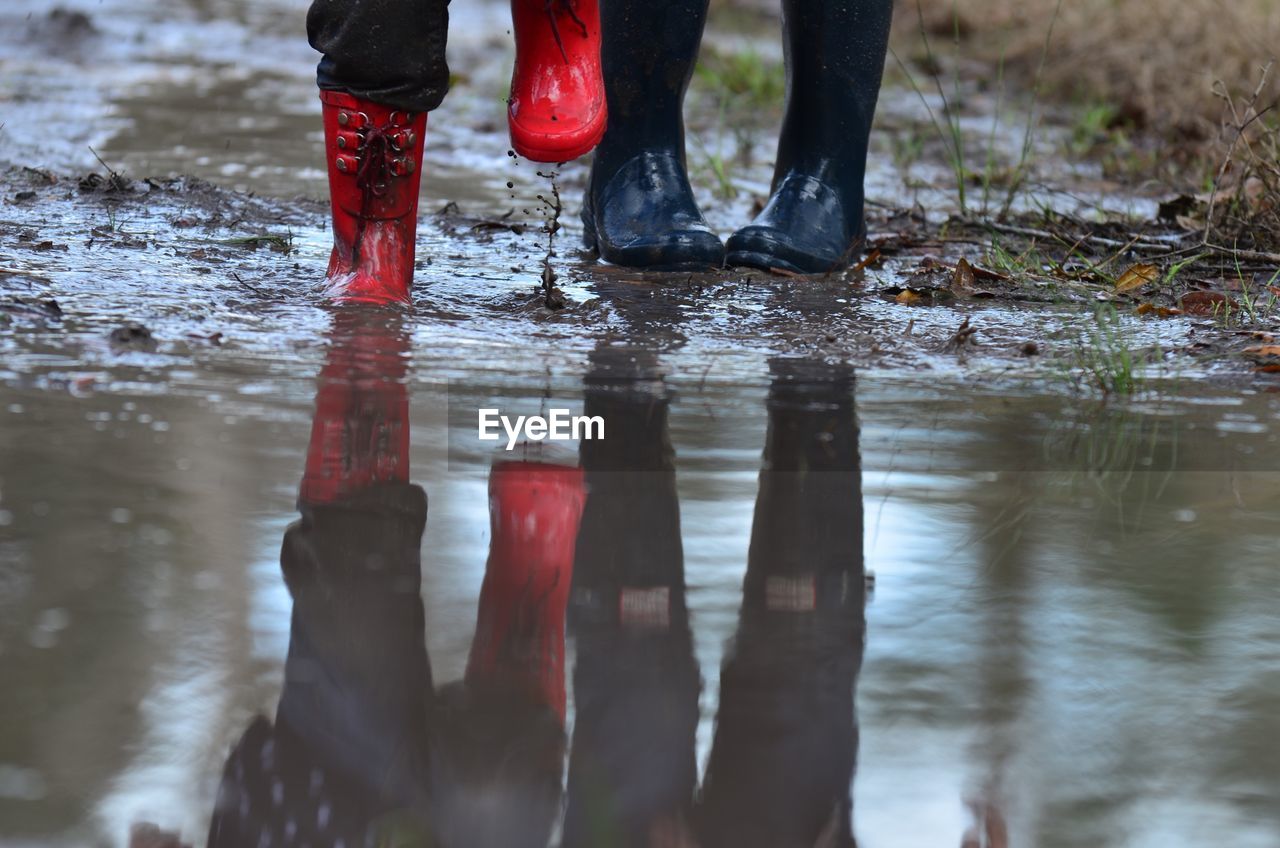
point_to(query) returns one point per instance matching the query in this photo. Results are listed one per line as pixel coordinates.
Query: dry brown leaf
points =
(1206, 303)
(987, 274)
(962, 281)
(1159, 311)
(1260, 353)
(1138, 275)
(909, 297)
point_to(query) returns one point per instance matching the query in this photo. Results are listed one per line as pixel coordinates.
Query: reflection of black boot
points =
(632, 769)
(835, 52)
(639, 209)
(785, 741)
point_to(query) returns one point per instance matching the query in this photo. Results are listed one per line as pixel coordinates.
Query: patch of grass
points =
(742, 81)
(1259, 302)
(1094, 127)
(743, 87)
(990, 174)
(1103, 360)
(907, 146)
(1244, 193)
(711, 161)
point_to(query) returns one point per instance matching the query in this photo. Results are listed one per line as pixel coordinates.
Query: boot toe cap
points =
(767, 248)
(557, 135)
(678, 249)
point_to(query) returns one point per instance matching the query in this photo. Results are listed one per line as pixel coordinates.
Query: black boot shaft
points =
(813, 222)
(835, 54)
(640, 210)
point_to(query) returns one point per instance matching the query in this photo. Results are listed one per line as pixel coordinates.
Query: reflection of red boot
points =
(534, 510)
(360, 432)
(374, 154)
(557, 107)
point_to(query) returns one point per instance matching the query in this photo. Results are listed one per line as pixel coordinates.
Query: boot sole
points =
(556, 149)
(761, 261)
(757, 249)
(641, 258)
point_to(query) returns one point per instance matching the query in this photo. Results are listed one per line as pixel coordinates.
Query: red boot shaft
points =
(534, 510)
(557, 108)
(374, 155)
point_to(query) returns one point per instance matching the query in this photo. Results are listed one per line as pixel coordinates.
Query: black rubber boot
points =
(639, 209)
(835, 51)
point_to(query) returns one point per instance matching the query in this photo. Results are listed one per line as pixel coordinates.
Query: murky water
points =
(819, 580)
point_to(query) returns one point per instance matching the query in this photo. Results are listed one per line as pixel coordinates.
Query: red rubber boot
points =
(534, 510)
(557, 109)
(374, 154)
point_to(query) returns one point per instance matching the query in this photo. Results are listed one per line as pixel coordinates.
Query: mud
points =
(190, 259)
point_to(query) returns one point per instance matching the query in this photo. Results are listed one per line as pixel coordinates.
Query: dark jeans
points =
(387, 51)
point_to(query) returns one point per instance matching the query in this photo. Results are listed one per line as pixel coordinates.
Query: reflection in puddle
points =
(1072, 640)
(1071, 604)
(365, 750)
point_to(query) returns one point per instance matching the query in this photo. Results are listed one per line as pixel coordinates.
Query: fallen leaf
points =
(1263, 353)
(1159, 311)
(987, 274)
(962, 281)
(1138, 275)
(1206, 303)
(909, 297)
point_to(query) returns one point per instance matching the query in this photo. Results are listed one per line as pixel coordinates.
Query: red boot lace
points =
(373, 176)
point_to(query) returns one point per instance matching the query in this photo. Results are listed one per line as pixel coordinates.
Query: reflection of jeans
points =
(387, 51)
(350, 742)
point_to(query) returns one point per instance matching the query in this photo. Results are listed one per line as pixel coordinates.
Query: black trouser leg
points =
(639, 208)
(388, 51)
(835, 52)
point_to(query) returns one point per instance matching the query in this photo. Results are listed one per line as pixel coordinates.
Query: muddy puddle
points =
(841, 566)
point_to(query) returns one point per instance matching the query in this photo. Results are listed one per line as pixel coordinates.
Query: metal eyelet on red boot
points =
(557, 108)
(374, 154)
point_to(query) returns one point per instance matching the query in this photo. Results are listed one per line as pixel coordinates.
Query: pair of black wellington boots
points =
(639, 209)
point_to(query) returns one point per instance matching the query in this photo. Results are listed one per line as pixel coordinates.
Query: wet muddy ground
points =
(1067, 502)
